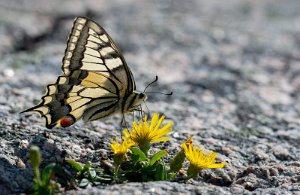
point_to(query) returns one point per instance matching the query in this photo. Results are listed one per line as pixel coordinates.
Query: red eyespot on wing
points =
(67, 121)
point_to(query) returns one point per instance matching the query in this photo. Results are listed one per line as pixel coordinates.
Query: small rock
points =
(176, 135)
(20, 164)
(90, 146)
(103, 154)
(281, 152)
(262, 155)
(273, 172)
(250, 169)
(47, 134)
(237, 189)
(76, 148)
(274, 95)
(211, 141)
(8, 72)
(227, 150)
(50, 141)
(23, 144)
(248, 185)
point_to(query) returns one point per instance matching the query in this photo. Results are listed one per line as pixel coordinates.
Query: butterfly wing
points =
(96, 78)
(88, 45)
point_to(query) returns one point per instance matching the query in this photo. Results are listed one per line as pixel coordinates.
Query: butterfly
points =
(96, 80)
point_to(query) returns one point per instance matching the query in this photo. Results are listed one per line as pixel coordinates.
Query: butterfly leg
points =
(141, 111)
(124, 123)
(133, 116)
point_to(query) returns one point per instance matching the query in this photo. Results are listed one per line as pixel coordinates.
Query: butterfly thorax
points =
(133, 101)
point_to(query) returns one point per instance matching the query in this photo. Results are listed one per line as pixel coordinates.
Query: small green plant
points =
(43, 181)
(199, 159)
(87, 175)
(143, 167)
(133, 160)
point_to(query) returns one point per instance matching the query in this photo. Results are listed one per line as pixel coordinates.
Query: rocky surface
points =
(233, 67)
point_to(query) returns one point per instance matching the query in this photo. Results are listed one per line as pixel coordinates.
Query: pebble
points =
(280, 152)
(262, 155)
(24, 144)
(274, 95)
(20, 164)
(8, 72)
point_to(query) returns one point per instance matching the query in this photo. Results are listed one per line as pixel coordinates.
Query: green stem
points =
(37, 175)
(116, 173)
(145, 148)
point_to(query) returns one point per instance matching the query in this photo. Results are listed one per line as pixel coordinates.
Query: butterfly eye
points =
(142, 96)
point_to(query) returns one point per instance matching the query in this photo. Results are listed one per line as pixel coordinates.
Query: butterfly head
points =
(134, 100)
(140, 98)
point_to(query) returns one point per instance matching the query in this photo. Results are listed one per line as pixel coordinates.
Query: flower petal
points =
(166, 129)
(217, 165)
(159, 123)
(161, 139)
(199, 157)
(154, 120)
(142, 133)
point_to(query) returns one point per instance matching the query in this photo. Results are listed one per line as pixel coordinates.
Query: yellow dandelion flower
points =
(143, 134)
(200, 159)
(120, 149)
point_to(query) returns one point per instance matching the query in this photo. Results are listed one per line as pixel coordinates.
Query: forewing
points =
(91, 48)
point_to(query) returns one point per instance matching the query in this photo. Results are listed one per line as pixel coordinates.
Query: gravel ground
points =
(233, 67)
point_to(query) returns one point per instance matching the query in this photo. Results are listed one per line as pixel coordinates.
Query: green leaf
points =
(87, 166)
(105, 178)
(64, 176)
(92, 172)
(76, 165)
(47, 173)
(177, 162)
(84, 183)
(171, 176)
(139, 153)
(35, 187)
(160, 173)
(157, 157)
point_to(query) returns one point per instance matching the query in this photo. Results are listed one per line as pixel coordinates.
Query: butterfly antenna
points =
(155, 80)
(171, 93)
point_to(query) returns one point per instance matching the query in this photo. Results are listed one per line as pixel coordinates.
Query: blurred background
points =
(208, 50)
